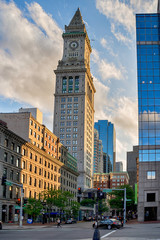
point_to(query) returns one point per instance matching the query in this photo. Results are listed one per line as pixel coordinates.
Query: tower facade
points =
(108, 136)
(74, 99)
(98, 154)
(148, 63)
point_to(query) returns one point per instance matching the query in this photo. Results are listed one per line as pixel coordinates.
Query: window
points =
(68, 142)
(75, 123)
(23, 178)
(76, 89)
(30, 181)
(23, 152)
(151, 175)
(11, 174)
(68, 129)
(69, 111)
(74, 148)
(61, 129)
(70, 85)
(68, 135)
(69, 99)
(64, 85)
(63, 106)
(75, 129)
(62, 124)
(69, 123)
(12, 146)
(35, 125)
(31, 122)
(30, 167)
(75, 111)
(34, 134)
(61, 136)
(12, 159)
(31, 131)
(62, 117)
(17, 162)
(63, 111)
(75, 105)
(35, 182)
(69, 105)
(151, 197)
(55, 169)
(36, 158)
(30, 155)
(75, 117)
(45, 173)
(18, 149)
(23, 165)
(63, 99)
(17, 176)
(75, 99)
(5, 156)
(6, 142)
(40, 171)
(35, 169)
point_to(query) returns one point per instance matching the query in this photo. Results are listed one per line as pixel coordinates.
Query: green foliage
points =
(75, 206)
(33, 208)
(118, 196)
(88, 202)
(102, 206)
(61, 200)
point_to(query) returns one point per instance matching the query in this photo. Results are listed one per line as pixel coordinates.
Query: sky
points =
(31, 44)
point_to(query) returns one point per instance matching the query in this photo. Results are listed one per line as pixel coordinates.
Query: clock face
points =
(73, 45)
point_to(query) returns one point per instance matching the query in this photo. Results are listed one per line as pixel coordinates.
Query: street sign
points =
(18, 207)
(8, 183)
(107, 190)
(128, 200)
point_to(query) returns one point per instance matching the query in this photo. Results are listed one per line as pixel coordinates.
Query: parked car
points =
(70, 221)
(109, 223)
(0, 225)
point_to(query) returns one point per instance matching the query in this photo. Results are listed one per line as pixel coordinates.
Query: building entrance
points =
(150, 214)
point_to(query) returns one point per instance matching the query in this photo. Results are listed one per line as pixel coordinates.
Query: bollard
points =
(96, 235)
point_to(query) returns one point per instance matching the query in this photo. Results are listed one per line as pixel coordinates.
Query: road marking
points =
(106, 235)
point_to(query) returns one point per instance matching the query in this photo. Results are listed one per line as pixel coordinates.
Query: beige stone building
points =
(45, 161)
(74, 99)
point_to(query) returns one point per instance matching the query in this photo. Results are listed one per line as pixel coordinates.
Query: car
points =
(109, 224)
(0, 225)
(70, 221)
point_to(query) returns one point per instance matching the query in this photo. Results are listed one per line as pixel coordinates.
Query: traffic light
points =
(18, 201)
(100, 194)
(3, 180)
(25, 201)
(79, 190)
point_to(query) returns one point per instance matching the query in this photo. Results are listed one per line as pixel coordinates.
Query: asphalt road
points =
(83, 231)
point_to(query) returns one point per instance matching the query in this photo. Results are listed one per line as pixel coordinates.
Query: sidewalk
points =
(13, 226)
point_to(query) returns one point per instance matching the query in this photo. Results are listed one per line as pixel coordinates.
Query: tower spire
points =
(76, 24)
(158, 7)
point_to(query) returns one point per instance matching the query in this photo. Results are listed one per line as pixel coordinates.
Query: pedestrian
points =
(58, 222)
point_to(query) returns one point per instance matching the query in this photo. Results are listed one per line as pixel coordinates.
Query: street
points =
(81, 231)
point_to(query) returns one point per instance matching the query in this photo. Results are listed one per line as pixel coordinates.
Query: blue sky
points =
(31, 45)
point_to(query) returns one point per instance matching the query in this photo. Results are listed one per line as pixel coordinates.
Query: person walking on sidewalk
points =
(58, 222)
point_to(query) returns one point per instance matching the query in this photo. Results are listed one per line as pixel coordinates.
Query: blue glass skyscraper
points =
(107, 135)
(148, 64)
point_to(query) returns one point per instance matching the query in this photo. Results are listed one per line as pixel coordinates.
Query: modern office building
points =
(119, 166)
(148, 63)
(74, 99)
(132, 158)
(108, 136)
(98, 154)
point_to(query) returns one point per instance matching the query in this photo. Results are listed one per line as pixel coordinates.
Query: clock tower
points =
(74, 99)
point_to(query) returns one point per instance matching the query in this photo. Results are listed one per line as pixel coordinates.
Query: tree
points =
(75, 206)
(117, 201)
(88, 202)
(33, 208)
(59, 199)
(102, 206)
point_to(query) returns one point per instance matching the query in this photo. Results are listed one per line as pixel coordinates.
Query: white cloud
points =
(29, 52)
(107, 46)
(122, 14)
(107, 70)
(118, 11)
(123, 112)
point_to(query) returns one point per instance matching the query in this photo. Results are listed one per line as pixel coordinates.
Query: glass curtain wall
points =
(148, 50)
